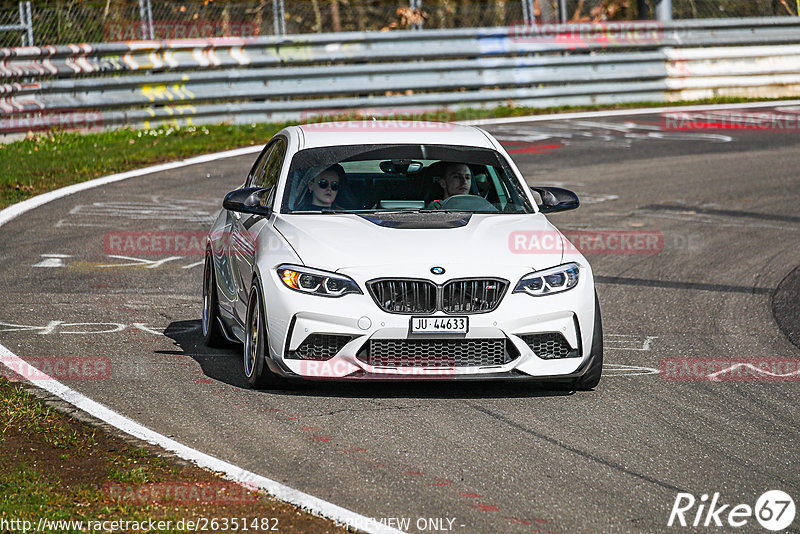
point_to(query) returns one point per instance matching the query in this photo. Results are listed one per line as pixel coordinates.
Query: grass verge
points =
(46, 161)
(53, 467)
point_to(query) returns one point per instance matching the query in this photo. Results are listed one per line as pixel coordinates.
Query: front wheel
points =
(256, 345)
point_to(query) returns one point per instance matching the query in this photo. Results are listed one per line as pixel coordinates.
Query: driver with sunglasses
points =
(323, 189)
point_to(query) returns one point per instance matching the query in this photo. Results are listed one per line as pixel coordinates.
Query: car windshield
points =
(402, 178)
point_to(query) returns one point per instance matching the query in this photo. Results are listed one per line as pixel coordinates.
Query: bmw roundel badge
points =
(437, 270)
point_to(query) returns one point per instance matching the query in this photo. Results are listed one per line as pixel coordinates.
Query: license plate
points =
(439, 325)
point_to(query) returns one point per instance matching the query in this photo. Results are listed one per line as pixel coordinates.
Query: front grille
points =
(319, 347)
(405, 295)
(550, 346)
(472, 296)
(437, 352)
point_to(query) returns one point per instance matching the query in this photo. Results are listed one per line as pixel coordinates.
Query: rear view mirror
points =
(401, 166)
(556, 199)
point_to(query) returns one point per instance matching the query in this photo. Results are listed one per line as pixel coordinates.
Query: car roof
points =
(400, 131)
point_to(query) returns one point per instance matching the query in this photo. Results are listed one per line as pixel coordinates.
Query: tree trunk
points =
(362, 16)
(500, 13)
(335, 19)
(317, 16)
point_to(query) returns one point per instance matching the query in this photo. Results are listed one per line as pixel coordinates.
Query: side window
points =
(274, 163)
(258, 166)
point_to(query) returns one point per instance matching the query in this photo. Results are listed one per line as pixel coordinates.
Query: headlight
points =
(316, 282)
(549, 281)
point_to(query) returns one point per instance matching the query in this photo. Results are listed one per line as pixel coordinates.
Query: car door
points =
(246, 227)
(228, 267)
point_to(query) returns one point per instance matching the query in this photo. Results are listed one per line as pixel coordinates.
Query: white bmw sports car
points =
(373, 250)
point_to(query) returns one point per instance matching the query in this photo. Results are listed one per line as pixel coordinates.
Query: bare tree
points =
(336, 20)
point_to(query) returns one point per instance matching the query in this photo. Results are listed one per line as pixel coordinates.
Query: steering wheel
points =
(466, 203)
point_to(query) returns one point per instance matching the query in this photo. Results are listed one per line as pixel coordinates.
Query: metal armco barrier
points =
(155, 83)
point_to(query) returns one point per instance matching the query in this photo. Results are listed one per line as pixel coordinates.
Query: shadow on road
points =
(225, 365)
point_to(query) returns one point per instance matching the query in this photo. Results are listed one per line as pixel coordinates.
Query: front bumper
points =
(291, 321)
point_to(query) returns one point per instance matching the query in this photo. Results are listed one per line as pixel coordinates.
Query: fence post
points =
(664, 10)
(26, 21)
(528, 11)
(30, 23)
(145, 9)
(642, 9)
(150, 18)
(416, 5)
(279, 17)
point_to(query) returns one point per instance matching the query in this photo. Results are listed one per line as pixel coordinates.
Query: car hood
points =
(343, 241)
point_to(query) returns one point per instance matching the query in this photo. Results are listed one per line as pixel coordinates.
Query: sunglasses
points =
(323, 184)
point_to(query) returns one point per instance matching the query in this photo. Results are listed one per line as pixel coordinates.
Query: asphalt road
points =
(491, 457)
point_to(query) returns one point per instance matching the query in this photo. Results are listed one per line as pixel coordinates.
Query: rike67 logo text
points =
(774, 510)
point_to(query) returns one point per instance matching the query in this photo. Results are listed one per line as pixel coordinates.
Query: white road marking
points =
(52, 260)
(140, 262)
(628, 112)
(60, 327)
(57, 260)
(714, 376)
(163, 332)
(614, 369)
(63, 222)
(628, 342)
(173, 211)
(570, 133)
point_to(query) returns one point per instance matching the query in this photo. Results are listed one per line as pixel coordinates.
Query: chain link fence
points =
(703, 9)
(78, 21)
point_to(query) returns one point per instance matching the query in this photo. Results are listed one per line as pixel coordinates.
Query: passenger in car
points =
(323, 189)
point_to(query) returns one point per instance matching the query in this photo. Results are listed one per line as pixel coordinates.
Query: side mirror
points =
(556, 199)
(248, 200)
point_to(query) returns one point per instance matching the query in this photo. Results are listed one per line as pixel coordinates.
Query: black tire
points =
(256, 370)
(591, 377)
(212, 331)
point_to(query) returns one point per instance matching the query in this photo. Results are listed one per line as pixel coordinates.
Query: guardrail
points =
(149, 83)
